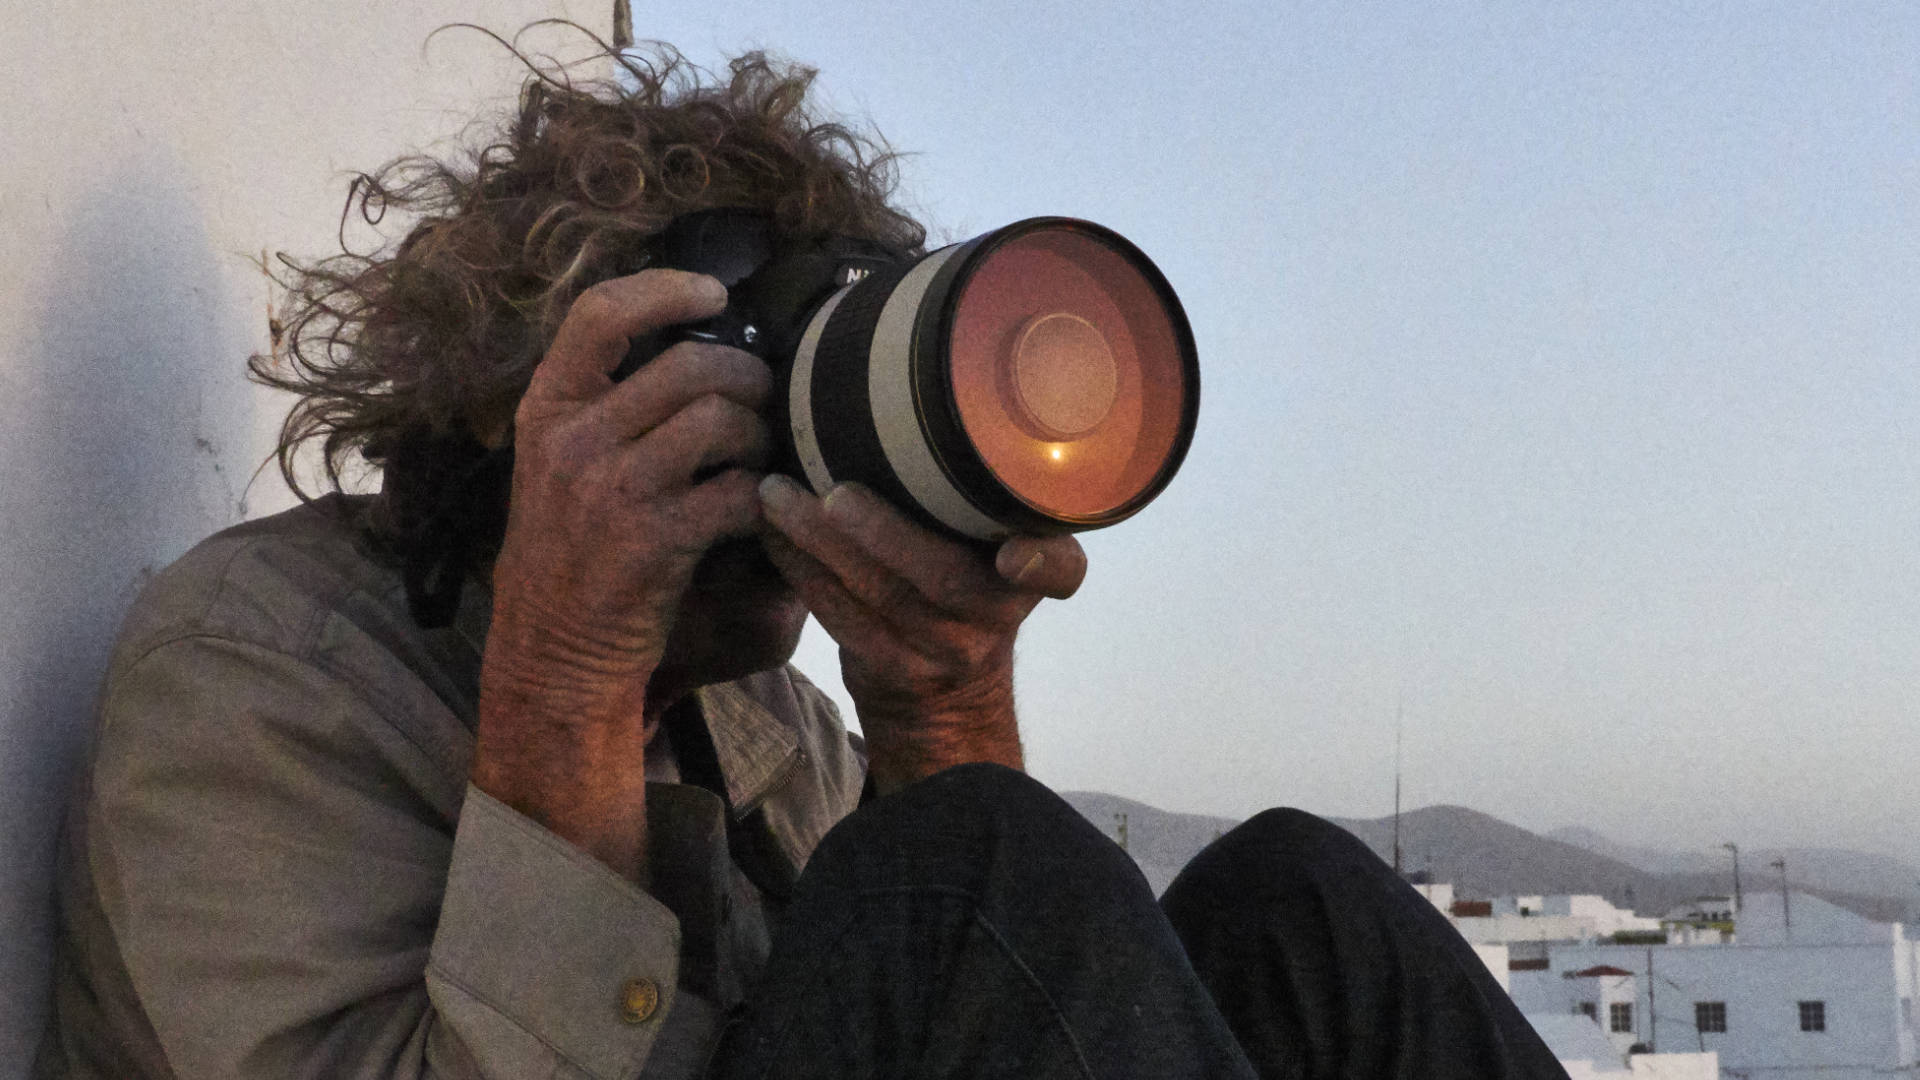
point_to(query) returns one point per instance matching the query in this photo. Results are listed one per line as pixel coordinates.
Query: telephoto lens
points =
(1039, 378)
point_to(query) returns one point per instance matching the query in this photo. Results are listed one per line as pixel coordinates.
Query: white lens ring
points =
(897, 421)
(806, 438)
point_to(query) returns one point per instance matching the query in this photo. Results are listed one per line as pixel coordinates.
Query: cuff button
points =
(639, 1000)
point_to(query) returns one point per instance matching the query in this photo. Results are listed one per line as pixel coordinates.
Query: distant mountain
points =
(1160, 841)
(1830, 868)
(1483, 856)
(1839, 868)
(1652, 860)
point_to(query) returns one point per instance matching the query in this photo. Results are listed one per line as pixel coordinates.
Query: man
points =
(502, 773)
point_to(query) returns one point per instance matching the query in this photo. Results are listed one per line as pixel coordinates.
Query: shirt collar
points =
(756, 745)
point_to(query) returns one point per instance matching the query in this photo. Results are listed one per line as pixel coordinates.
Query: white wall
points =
(1675, 1066)
(1439, 894)
(1607, 919)
(1647, 1067)
(1761, 986)
(1496, 958)
(1906, 982)
(1547, 993)
(150, 150)
(1768, 919)
(1517, 928)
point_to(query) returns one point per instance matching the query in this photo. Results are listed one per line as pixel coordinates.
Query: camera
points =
(1038, 378)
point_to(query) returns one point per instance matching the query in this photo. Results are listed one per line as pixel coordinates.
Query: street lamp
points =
(1786, 906)
(1735, 848)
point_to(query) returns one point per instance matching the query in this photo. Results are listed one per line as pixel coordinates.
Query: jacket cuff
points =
(542, 949)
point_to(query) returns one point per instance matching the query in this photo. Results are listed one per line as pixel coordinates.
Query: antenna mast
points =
(1399, 727)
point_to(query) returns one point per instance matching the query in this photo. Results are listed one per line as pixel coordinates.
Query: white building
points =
(1583, 1051)
(1702, 909)
(1597, 912)
(1528, 925)
(1438, 893)
(1808, 991)
(1583, 916)
(1703, 920)
(1507, 933)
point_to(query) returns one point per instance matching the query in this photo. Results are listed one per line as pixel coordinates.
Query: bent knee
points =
(980, 795)
(979, 807)
(1291, 828)
(1274, 848)
(982, 831)
(1285, 829)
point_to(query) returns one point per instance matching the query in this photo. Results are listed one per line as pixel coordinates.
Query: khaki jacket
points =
(275, 866)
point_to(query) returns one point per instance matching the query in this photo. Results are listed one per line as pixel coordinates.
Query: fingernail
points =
(1032, 568)
(777, 493)
(840, 502)
(710, 287)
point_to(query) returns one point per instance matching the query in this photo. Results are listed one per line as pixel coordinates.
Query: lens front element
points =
(1071, 373)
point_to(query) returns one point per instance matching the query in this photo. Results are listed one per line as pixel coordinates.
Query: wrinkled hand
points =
(604, 529)
(926, 624)
(606, 524)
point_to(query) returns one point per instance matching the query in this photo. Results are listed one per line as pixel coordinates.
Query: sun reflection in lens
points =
(1069, 371)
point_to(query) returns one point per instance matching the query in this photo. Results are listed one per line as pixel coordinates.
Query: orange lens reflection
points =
(1067, 372)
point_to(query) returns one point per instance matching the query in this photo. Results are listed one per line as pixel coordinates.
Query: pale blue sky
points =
(1559, 375)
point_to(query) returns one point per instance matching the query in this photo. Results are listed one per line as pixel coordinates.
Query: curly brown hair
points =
(403, 356)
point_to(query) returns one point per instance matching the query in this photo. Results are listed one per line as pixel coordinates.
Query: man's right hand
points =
(604, 529)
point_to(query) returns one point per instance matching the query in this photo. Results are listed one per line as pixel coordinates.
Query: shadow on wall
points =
(123, 395)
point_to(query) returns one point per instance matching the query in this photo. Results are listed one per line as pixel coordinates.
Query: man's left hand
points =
(925, 624)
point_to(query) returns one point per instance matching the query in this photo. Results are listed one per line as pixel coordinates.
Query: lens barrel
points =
(1040, 378)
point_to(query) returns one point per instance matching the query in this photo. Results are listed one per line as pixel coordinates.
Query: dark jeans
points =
(974, 925)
